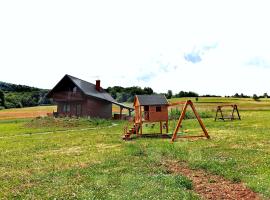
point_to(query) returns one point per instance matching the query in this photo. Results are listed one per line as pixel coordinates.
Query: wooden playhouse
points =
(154, 108)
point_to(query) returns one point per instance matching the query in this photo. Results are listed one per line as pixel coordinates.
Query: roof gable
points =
(152, 100)
(85, 87)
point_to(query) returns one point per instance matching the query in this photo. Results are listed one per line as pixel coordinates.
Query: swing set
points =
(222, 112)
(154, 108)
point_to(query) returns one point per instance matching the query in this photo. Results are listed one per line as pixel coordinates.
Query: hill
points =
(18, 96)
(9, 87)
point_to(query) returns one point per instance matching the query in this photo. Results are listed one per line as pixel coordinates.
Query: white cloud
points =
(137, 43)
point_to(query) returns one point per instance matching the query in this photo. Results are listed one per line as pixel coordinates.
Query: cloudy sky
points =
(210, 47)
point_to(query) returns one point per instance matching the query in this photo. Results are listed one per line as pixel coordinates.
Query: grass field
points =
(87, 159)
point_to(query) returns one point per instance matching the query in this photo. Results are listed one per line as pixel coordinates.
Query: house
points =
(151, 108)
(76, 97)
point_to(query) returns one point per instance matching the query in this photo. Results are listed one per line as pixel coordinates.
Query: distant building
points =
(76, 97)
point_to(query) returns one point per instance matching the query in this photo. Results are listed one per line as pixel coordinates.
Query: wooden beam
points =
(199, 119)
(179, 122)
(121, 110)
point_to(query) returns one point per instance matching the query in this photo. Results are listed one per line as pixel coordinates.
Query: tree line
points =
(18, 96)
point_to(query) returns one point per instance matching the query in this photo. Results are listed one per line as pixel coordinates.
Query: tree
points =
(236, 95)
(169, 94)
(2, 99)
(148, 90)
(255, 97)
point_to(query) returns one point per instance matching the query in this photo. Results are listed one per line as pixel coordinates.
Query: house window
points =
(74, 90)
(158, 109)
(66, 108)
(78, 109)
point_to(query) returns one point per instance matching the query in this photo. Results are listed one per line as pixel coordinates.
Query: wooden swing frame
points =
(231, 117)
(181, 118)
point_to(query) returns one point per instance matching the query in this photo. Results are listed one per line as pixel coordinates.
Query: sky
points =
(219, 47)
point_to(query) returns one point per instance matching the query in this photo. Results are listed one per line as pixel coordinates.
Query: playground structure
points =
(181, 118)
(154, 108)
(229, 116)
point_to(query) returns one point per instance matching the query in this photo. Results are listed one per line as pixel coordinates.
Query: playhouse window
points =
(146, 108)
(158, 109)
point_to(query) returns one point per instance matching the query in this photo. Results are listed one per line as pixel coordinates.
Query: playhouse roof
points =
(148, 100)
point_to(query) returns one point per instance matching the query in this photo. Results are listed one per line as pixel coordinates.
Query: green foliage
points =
(255, 97)
(122, 94)
(186, 94)
(8, 87)
(19, 96)
(169, 94)
(26, 99)
(2, 99)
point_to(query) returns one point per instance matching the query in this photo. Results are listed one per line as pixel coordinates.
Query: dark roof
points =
(89, 89)
(152, 100)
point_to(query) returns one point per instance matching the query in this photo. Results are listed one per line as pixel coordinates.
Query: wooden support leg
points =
(222, 117)
(161, 127)
(199, 119)
(232, 116)
(216, 114)
(237, 112)
(167, 127)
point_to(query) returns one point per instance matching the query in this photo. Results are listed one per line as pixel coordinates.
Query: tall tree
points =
(169, 94)
(2, 99)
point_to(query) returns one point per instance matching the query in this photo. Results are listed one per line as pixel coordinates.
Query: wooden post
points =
(217, 113)
(167, 127)
(237, 112)
(160, 127)
(121, 110)
(199, 119)
(140, 120)
(179, 122)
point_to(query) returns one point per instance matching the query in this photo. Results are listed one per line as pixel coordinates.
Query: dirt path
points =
(212, 186)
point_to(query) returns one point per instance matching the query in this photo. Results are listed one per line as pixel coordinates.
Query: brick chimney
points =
(98, 88)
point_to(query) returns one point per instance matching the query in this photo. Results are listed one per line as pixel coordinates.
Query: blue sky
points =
(211, 47)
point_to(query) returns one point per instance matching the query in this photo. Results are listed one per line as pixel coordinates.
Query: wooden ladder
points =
(133, 130)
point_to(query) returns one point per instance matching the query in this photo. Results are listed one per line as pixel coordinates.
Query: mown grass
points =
(74, 162)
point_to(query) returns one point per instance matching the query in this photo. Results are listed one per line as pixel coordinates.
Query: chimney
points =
(98, 88)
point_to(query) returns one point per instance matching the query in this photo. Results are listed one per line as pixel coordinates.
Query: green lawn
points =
(86, 159)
